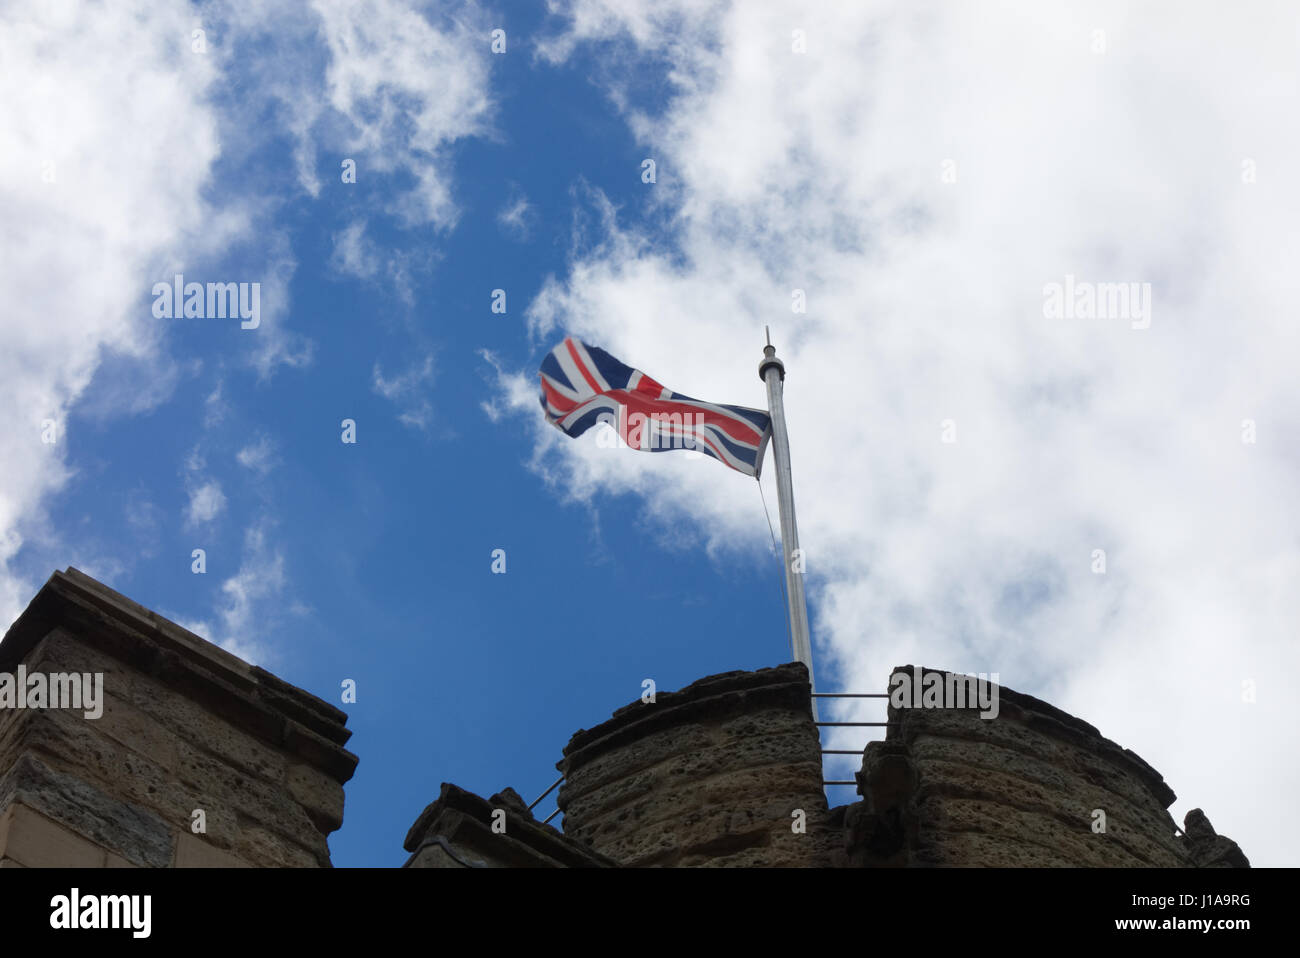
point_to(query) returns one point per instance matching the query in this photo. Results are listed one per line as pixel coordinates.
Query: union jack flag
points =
(583, 385)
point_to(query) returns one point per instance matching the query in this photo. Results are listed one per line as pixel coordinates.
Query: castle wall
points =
(185, 727)
(711, 775)
(462, 830)
(1031, 787)
(726, 772)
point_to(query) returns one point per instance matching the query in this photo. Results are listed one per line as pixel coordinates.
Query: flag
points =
(583, 385)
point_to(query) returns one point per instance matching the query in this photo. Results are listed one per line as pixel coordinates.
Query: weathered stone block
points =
(267, 849)
(712, 772)
(319, 795)
(948, 787)
(37, 842)
(204, 730)
(192, 852)
(185, 726)
(73, 745)
(135, 833)
(237, 789)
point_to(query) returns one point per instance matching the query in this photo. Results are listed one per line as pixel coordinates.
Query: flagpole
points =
(772, 371)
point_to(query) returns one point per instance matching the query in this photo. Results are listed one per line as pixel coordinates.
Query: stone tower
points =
(725, 772)
(718, 774)
(126, 740)
(197, 758)
(1034, 786)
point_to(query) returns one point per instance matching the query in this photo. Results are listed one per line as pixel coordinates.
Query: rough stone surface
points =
(950, 788)
(263, 847)
(457, 831)
(186, 726)
(193, 852)
(725, 772)
(137, 834)
(1207, 848)
(29, 839)
(320, 796)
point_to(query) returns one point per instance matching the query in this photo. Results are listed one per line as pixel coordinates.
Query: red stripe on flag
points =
(573, 351)
(736, 428)
(558, 399)
(649, 387)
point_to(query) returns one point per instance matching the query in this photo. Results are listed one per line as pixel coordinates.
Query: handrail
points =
(826, 751)
(848, 751)
(544, 794)
(556, 784)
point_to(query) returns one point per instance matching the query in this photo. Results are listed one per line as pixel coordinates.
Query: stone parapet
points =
(185, 727)
(462, 830)
(725, 772)
(1033, 786)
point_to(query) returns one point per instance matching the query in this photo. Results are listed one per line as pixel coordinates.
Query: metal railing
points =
(847, 751)
(826, 751)
(559, 781)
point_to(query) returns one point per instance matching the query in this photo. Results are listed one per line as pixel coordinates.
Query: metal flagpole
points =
(772, 371)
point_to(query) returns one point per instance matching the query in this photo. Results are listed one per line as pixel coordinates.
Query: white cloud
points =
(408, 390)
(517, 217)
(113, 129)
(258, 456)
(275, 344)
(206, 503)
(98, 99)
(143, 515)
(825, 172)
(407, 90)
(354, 253)
(130, 385)
(637, 26)
(215, 407)
(250, 600)
(509, 392)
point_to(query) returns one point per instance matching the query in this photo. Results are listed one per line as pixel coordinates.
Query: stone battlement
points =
(180, 754)
(198, 758)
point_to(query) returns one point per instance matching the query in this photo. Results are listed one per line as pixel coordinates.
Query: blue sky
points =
(893, 187)
(376, 557)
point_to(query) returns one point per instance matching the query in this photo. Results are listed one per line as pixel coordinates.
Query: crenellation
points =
(197, 759)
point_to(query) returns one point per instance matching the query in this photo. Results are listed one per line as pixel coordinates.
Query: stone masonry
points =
(726, 772)
(457, 831)
(711, 776)
(185, 727)
(717, 774)
(948, 787)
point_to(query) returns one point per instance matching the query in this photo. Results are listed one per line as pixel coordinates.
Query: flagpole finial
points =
(769, 359)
